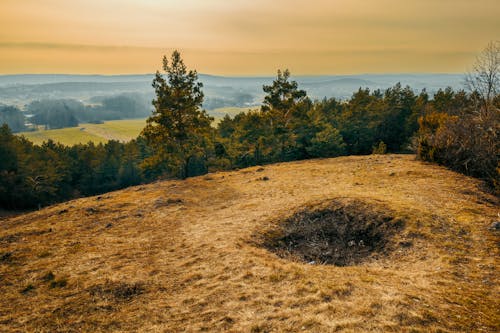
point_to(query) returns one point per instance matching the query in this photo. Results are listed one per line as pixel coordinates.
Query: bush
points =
(380, 149)
(469, 143)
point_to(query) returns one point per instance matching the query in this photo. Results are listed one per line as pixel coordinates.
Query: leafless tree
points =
(469, 140)
(484, 78)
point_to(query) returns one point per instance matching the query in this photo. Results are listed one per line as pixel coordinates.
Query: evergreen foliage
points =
(13, 117)
(458, 129)
(178, 131)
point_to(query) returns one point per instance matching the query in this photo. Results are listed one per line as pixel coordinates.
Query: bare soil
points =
(339, 232)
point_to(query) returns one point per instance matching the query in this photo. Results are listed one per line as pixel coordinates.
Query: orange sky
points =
(245, 37)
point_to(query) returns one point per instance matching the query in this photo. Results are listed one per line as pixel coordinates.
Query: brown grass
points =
(183, 256)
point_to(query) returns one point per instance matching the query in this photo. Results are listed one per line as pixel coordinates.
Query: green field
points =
(121, 130)
(218, 114)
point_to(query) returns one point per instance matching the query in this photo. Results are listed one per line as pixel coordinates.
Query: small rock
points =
(109, 225)
(91, 210)
(63, 211)
(495, 225)
(48, 277)
(160, 202)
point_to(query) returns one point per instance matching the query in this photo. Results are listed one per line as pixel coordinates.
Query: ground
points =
(188, 255)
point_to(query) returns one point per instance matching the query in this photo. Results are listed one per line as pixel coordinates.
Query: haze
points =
(245, 37)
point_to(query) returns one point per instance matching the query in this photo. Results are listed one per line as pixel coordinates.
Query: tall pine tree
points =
(282, 101)
(179, 130)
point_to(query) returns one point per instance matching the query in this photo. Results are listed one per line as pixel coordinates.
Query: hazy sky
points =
(249, 37)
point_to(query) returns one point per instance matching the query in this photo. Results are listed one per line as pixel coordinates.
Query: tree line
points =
(455, 128)
(61, 113)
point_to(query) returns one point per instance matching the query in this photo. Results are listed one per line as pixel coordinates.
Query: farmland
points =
(120, 130)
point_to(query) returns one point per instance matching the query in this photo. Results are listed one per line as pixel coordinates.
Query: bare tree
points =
(469, 140)
(484, 79)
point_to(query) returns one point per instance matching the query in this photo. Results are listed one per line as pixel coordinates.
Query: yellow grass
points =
(184, 256)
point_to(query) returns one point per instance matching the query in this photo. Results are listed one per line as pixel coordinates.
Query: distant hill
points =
(347, 81)
(379, 243)
(219, 91)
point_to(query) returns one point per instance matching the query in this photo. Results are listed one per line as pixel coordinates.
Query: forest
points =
(62, 113)
(459, 129)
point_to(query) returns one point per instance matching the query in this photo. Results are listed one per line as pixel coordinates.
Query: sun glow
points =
(243, 37)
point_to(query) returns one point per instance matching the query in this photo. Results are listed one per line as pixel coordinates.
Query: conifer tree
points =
(281, 102)
(178, 131)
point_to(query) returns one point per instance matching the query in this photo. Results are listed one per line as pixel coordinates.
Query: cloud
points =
(65, 46)
(220, 36)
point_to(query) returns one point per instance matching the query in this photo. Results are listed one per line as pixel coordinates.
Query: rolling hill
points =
(375, 243)
(219, 91)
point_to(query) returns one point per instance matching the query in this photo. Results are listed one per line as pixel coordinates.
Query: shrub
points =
(380, 149)
(468, 143)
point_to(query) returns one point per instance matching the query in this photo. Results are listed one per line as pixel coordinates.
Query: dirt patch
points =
(118, 291)
(340, 232)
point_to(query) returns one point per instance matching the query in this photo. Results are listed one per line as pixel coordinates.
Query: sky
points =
(245, 37)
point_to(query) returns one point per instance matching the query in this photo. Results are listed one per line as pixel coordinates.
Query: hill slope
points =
(192, 255)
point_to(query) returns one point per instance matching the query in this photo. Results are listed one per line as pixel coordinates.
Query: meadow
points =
(120, 130)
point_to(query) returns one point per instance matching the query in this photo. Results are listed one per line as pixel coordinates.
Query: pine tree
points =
(178, 131)
(282, 101)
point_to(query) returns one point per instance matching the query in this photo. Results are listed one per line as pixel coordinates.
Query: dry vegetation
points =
(192, 256)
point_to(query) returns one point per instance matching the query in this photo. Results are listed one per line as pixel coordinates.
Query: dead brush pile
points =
(338, 232)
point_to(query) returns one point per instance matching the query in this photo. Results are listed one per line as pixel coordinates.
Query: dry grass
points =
(183, 256)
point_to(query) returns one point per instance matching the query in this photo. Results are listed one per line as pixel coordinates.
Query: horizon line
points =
(237, 75)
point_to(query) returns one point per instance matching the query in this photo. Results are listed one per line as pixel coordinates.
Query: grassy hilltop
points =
(234, 251)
